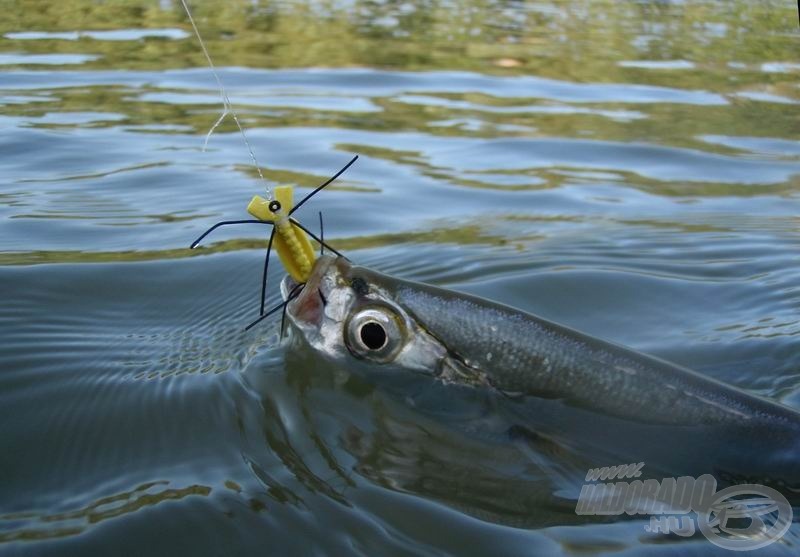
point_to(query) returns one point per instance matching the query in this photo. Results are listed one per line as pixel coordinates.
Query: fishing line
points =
(277, 221)
(227, 106)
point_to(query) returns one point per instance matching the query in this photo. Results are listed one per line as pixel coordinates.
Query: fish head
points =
(347, 314)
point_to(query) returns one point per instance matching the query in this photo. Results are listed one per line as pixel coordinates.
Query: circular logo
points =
(745, 517)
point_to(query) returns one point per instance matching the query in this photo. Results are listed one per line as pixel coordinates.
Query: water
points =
(629, 169)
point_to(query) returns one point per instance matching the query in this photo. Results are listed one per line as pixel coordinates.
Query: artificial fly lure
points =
(291, 241)
(289, 237)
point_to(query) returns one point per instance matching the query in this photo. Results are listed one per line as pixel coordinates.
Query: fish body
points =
(460, 338)
(574, 401)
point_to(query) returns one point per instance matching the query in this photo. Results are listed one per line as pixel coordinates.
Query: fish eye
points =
(375, 333)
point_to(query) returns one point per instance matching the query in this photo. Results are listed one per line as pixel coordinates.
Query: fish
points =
(357, 316)
(562, 386)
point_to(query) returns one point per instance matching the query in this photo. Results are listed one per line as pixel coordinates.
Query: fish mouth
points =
(307, 308)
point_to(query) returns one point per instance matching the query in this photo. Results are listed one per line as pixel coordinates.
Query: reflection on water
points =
(626, 168)
(76, 521)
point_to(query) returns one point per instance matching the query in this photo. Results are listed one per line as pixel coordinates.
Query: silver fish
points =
(495, 372)
(365, 320)
(566, 400)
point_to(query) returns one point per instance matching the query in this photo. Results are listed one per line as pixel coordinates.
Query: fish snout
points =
(307, 307)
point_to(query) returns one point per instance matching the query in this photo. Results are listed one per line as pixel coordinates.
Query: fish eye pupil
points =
(275, 206)
(372, 335)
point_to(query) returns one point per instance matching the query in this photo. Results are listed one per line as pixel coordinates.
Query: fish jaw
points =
(306, 307)
(318, 313)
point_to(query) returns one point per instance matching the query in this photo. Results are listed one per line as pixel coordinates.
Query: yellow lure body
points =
(294, 247)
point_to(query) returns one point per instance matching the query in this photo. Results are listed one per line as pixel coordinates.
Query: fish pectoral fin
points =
(513, 395)
(454, 370)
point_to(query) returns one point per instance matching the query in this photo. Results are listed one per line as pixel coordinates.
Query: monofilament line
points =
(226, 102)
